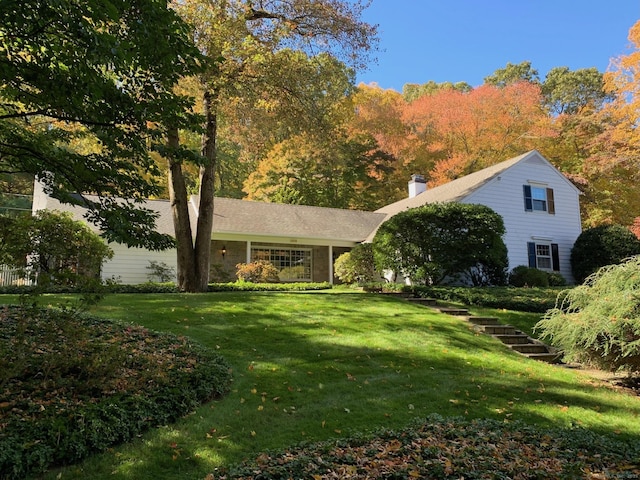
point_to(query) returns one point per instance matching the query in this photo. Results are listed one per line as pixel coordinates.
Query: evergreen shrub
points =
(523, 276)
(600, 246)
(598, 323)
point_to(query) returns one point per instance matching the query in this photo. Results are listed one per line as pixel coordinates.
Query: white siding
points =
(129, 265)
(504, 194)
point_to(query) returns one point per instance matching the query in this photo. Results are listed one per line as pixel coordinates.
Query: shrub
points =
(172, 288)
(78, 385)
(556, 280)
(356, 266)
(267, 287)
(534, 299)
(447, 448)
(60, 250)
(257, 272)
(600, 246)
(443, 242)
(523, 276)
(160, 271)
(598, 323)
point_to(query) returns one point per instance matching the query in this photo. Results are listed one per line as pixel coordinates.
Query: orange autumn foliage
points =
(467, 131)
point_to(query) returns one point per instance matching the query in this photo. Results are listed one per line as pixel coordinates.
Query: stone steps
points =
(423, 301)
(453, 311)
(512, 338)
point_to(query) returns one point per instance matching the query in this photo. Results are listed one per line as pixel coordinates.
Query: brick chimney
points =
(417, 185)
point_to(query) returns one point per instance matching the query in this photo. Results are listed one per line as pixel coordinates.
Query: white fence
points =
(11, 276)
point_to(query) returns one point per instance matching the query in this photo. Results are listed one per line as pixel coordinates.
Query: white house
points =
(540, 208)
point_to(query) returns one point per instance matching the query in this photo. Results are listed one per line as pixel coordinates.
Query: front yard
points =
(317, 366)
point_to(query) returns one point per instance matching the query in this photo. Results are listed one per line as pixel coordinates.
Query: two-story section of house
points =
(540, 208)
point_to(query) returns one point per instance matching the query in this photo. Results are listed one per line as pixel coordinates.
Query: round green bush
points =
(355, 266)
(600, 246)
(523, 276)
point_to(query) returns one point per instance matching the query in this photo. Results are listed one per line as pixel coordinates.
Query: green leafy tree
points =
(444, 242)
(600, 246)
(251, 50)
(339, 172)
(571, 92)
(513, 73)
(99, 72)
(598, 323)
(54, 247)
(413, 91)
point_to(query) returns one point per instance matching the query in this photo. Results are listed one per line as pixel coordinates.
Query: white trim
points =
(331, 264)
(312, 241)
(248, 251)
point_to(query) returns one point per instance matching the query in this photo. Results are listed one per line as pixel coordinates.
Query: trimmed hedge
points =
(439, 448)
(535, 300)
(170, 288)
(75, 385)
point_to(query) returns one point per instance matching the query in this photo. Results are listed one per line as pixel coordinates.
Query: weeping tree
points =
(598, 323)
(254, 51)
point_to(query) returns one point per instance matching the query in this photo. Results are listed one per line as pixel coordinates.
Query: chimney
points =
(417, 185)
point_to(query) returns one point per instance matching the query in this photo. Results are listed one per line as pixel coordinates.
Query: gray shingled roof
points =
(298, 221)
(264, 219)
(232, 216)
(455, 190)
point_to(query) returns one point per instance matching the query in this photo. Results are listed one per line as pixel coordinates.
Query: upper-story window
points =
(538, 199)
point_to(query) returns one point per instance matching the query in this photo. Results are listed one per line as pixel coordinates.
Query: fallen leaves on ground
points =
(453, 449)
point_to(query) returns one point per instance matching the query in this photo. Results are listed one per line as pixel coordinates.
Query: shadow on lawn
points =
(305, 374)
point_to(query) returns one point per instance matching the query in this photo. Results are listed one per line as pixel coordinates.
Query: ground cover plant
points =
(72, 385)
(452, 448)
(311, 367)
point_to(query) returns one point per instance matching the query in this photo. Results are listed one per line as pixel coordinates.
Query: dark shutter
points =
(555, 257)
(551, 206)
(532, 254)
(528, 201)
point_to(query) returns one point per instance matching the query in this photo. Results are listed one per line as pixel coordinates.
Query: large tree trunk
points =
(207, 187)
(187, 279)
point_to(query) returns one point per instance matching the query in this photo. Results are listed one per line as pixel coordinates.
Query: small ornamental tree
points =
(259, 271)
(356, 266)
(600, 246)
(444, 242)
(598, 323)
(60, 250)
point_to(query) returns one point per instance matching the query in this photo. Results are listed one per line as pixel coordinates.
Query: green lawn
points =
(314, 366)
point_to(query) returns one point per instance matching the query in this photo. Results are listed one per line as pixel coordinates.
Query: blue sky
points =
(467, 40)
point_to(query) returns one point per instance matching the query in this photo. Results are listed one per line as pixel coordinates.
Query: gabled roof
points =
(247, 218)
(459, 189)
(297, 221)
(455, 190)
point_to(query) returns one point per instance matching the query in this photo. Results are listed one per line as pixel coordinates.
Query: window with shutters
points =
(538, 199)
(544, 256)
